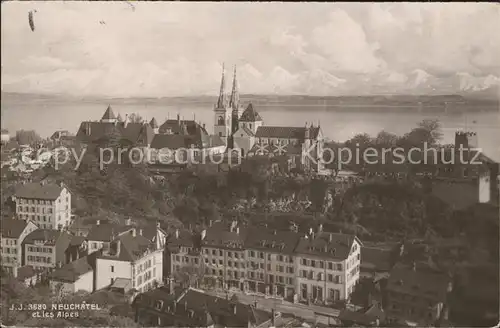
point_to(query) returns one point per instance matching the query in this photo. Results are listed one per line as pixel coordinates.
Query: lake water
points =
(46, 116)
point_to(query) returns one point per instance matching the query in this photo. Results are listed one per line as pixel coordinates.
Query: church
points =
(243, 130)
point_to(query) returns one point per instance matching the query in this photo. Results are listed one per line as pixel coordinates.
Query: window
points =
(313, 263)
(213, 252)
(221, 253)
(112, 268)
(304, 262)
(252, 254)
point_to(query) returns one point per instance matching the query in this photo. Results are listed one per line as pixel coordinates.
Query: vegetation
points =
(27, 137)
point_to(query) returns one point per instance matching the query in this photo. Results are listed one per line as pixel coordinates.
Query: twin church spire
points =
(234, 99)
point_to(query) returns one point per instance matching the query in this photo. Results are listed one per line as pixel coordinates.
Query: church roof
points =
(108, 114)
(286, 132)
(250, 115)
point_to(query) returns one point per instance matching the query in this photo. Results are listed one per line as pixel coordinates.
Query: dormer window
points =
(159, 305)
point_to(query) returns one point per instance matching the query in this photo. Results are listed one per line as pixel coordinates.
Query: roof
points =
(72, 271)
(173, 141)
(108, 114)
(425, 283)
(132, 132)
(26, 272)
(184, 238)
(250, 115)
(221, 234)
(286, 132)
(131, 249)
(153, 123)
(197, 308)
(105, 232)
(47, 191)
(121, 283)
(188, 127)
(376, 259)
(12, 228)
(326, 244)
(272, 240)
(49, 236)
(357, 317)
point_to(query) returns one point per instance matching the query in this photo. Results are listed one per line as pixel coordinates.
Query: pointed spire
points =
(153, 123)
(119, 118)
(108, 114)
(221, 102)
(234, 102)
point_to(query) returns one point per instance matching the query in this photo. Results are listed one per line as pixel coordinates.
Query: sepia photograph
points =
(249, 164)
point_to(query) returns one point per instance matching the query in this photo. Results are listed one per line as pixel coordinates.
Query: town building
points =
(271, 262)
(62, 138)
(101, 234)
(48, 205)
(194, 308)
(46, 248)
(133, 257)
(328, 266)
(417, 295)
(14, 232)
(277, 263)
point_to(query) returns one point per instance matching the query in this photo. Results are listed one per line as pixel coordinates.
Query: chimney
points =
(134, 232)
(203, 234)
(128, 222)
(178, 120)
(203, 126)
(414, 266)
(238, 230)
(98, 222)
(140, 232)
(310, 231)
(330, 238)
(177, 233)
(320, 228)
(126, 121)
(210, 223)
(234, 308)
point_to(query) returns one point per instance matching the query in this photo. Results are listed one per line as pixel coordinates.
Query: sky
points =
(158, 49)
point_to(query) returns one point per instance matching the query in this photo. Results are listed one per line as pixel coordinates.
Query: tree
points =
(27, 137)
(386, 139)
(433, 126)
(135, 118)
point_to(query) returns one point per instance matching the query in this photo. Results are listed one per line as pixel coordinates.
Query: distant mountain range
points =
(488, 97)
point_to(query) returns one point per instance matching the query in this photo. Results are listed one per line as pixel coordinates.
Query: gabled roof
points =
(220, 234)
(12, 228)
(250, 115)
(177, 127)
(326, 244)
(132, 248)
(26, 272)
(108, 114)
(153, 123)
(172, 141)
(286, 132)
(47, 191)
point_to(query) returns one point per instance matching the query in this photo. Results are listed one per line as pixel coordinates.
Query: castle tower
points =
(109, 116)
(222, 124)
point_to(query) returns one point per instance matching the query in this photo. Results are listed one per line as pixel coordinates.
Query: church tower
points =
(234, 104)
(222, 125)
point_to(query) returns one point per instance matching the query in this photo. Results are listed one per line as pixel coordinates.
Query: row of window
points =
(353, 272)
(317, 292)
(8, 259)
(320, 276)
(8, 250)
(321, 264)
(33, 209)
(8, 241)
(40, 249)
(41, 259)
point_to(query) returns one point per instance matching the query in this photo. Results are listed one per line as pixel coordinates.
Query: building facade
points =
(281, 264)
(48, 205)
(13, 234)
(45, 249)
(133, 257)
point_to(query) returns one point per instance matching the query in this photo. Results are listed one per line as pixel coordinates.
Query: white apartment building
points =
(132, 257)
(328, 266)
(13, 234)
(48, 205)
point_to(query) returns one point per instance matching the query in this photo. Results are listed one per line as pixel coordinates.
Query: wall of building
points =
(84, 282)
(243, 142)
(63, 210)
(108, 270)
(148, 270)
